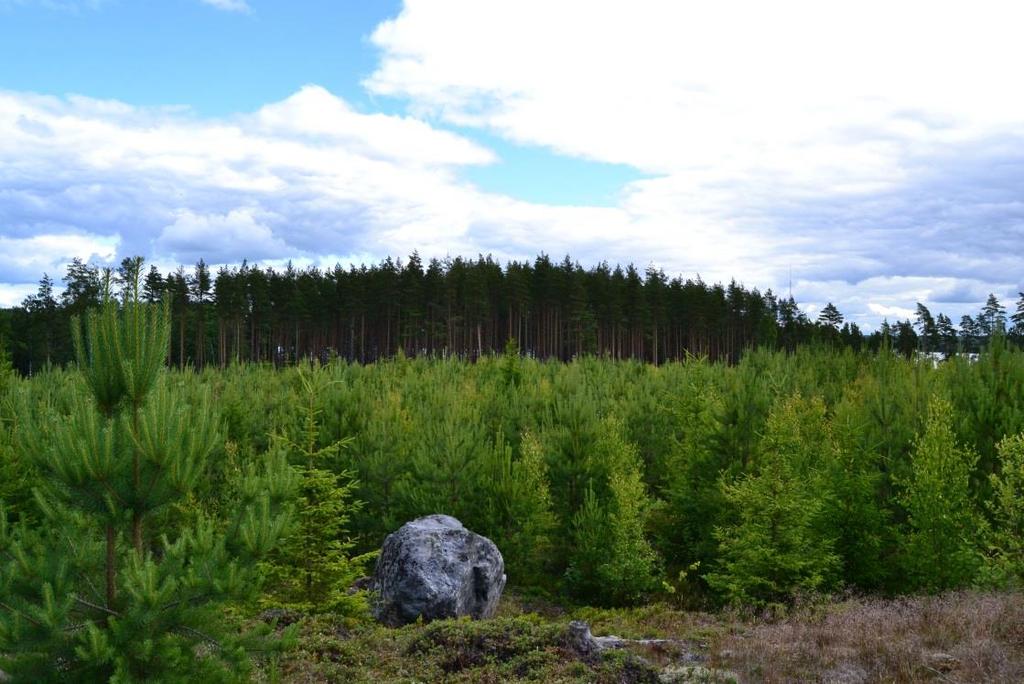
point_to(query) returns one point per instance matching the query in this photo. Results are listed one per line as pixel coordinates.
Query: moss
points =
(888, 639)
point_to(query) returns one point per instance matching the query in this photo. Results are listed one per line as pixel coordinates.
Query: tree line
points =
(464, 308)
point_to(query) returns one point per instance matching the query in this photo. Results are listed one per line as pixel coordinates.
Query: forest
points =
(467, 308)
(174, 479)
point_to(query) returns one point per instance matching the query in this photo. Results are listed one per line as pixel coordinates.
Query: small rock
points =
(434, 568)
(941, 662)
(846, 673)
(675, 674)
(361, 584)
(580, 640)
(282, 616)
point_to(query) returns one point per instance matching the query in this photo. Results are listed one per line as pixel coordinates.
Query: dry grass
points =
(957, 637)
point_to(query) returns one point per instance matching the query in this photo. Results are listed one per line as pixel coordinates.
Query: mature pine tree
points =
(153, 287)
(905, 341)
(830, 316)
(44, 323)
(199, 285)
(992, 318)
(176, 287)
(969, 334)
(929, 332)
(1017, 330)
(81, 288)
(107, 587)
(947, 334)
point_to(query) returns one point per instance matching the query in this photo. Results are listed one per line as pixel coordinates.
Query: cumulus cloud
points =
(216, 237)
(24, 260)
(846, 143)
(855, 154)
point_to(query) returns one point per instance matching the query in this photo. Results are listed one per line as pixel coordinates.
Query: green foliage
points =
(856, 515)
(576, 470)
(312, 570)
(511, 373)
(104, 586)
(519, 512)
(694, 503)
(612, 562)
(17, 476)
(941, 545)
(777, 545)
(1005, 565)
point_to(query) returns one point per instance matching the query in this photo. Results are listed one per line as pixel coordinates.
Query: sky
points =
(870, 154)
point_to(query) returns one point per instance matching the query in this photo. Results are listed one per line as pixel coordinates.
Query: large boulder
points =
(434, 568)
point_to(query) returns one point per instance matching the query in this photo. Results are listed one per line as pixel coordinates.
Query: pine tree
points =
(1005, 565)
(612, 562)
(81, 287)
(519, 503)
(199, 287)
(107, 586)
(992, 319)
(928, 328)
(153, 288)
(15, 474)
(940, 549)
(947, 335)
(42, 313)
(969, 333)
(1017, 330)
(830, 316)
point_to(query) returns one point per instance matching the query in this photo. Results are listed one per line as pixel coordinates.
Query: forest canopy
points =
(466, 308)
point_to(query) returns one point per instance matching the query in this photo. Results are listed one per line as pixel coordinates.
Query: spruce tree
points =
(777, 543)
(312, 570)
(107, 586)
(941, 545)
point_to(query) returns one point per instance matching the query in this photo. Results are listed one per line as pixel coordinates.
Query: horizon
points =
(872, 156)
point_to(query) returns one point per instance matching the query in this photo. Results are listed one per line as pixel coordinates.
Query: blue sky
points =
(738, 140)
(161, 52)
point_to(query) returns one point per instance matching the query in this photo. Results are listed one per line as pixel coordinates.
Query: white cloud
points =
(229, 5)
(821, 95)
(892, 313)
(217, 237)
(869, 203)
(13, 294)
(27, 258)
(849, 143)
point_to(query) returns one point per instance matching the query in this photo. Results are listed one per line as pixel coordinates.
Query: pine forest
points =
(197, 469)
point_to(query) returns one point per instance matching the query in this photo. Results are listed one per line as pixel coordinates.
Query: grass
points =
(956, 637)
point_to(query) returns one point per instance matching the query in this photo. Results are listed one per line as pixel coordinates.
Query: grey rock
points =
(941, 662)
(434, 568)
(695, 673)
(580, 640)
